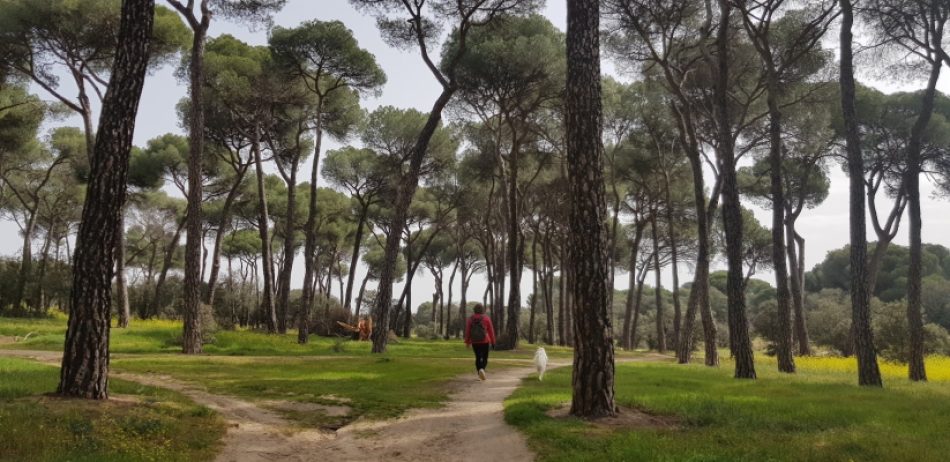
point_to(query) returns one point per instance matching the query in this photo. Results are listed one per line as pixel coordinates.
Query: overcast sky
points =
(409, 84)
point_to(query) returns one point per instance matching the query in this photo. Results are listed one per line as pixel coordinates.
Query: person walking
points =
(480, 335)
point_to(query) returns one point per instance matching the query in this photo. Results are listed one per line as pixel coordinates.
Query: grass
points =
(374, 387)
(140, 424)
(815, 415)
(162, 337)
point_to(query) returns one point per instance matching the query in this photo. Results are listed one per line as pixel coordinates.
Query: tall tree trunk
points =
(674, 262)
(355, 257)
(561, 296)
(191, 338)
(85, 366)
(404, 192)
(593, 373)
(166, 265)
(463, 296)
(699, 291)
(786, 362)
(121, 287)
(915, 321)
(359, 297)
(263, 224)
(223, 226)
(448, 318)
(868, 372)
(731, 209)
(658, 290)
(290, 249)
(515, 252)
(310, 239)
(26, 264)
(797, 286)
(548, 283)
(628, 314)
(534, 286)
(40, 302)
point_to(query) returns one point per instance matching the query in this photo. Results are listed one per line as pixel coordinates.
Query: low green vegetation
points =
(816, 415)
(161, 336)
(138, 424)
(373, 387)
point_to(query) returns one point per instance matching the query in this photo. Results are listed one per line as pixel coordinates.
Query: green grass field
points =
(138, 424)
(162, 337)
(815, 415)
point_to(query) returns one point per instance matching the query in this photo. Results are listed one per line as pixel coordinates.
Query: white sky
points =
(409, 84)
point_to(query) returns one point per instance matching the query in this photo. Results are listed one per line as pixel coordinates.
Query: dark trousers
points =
(481, 355)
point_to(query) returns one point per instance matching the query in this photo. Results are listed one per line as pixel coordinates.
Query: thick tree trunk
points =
(515, 253)
(786, 362)
(290, 250)
(699, 291)
(868, 372)
(310, 240)
(121, 287)
(191, 338)
(593, 373)
(263, 225)
(85, 366)
(731, 209)
(915, 321)
(561, 296)
(404, 192)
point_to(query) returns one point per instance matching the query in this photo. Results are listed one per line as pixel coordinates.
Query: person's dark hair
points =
(478, 308)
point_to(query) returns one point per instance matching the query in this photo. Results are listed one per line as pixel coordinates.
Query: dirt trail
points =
(470, 426)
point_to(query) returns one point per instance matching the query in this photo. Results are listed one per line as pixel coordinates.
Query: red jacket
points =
(489, 330)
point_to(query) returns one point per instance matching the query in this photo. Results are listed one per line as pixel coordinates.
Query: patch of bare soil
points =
(6, 340)
(628, 418)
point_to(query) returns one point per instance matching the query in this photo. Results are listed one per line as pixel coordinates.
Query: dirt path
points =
(470, 426)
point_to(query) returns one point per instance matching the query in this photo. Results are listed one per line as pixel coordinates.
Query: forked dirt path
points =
(470, 426)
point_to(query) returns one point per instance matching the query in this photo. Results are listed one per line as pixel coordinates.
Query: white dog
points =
(540, 362)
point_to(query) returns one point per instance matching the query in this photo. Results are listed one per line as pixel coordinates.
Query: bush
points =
(427, 331)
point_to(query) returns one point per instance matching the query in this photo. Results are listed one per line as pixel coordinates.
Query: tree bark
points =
(404, 192)
(310, 239)
(797, 286)
(355, 258)
(223, 226)
(868, 372)
(263, 224)
(85, 366)
(593, 373)
(534, 286)
(674, 262)
(786, 362)
(658, 290)
(122, 288)
(731, 209)
(915, 321)
(628, 315)
(191, 338)
(290, 249)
